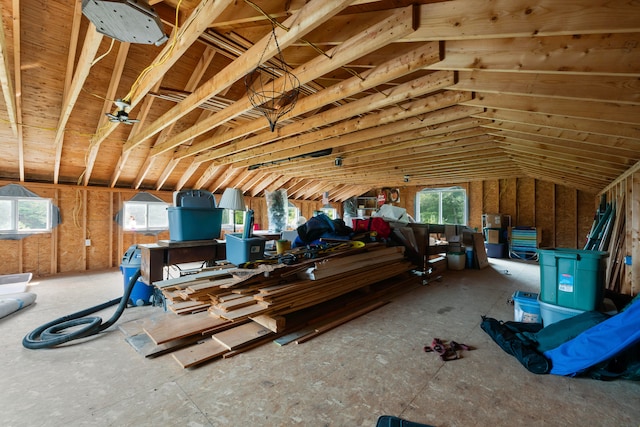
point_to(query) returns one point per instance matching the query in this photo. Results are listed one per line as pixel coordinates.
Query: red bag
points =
(377, 224)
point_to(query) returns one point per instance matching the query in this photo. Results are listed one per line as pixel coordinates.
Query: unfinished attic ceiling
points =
(433, 92)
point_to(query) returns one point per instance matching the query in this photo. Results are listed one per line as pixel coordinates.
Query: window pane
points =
(135, 216)
(430, 207)
(6, 207)
(158, 215)
(453, 207)
(442, 206)
(33, 215)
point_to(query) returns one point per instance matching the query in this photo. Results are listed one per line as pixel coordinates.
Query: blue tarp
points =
(597, 344)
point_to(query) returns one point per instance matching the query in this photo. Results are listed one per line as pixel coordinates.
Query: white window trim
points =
(441, 190)
(15, 204)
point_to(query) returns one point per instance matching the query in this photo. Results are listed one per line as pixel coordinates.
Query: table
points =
(155, 256)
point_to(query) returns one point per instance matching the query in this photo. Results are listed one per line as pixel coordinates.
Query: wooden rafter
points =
(114, 82)
(306, 19)
(89, 49)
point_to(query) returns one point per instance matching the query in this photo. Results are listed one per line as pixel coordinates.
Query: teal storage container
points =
(241, 250)
(572, 278)
(194, 223)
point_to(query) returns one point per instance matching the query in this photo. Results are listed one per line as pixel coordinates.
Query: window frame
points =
(146, 228)
(440, 191)
(14, 217)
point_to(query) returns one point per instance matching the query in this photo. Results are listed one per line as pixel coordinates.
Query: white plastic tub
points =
(14, 283)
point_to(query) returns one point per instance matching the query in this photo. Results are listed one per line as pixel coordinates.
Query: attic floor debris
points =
(350, 375)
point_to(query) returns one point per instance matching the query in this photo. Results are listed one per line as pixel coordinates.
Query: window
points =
(145, 216)
(26, 215)
(442, 206)
(228, 216)
(293, 213)
(332, 213)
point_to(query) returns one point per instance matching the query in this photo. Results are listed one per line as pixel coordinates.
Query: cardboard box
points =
(493, 220)
(494, 235)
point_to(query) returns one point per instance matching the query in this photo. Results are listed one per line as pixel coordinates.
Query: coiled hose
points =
(52, 334)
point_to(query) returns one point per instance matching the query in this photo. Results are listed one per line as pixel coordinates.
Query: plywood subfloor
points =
(348, 376)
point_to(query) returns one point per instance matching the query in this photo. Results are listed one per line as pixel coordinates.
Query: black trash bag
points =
(515, 344)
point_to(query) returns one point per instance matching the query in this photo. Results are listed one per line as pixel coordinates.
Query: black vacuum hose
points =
(51, 334)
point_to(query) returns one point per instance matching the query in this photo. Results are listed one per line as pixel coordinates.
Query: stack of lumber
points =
(616, 248)
(244, 309)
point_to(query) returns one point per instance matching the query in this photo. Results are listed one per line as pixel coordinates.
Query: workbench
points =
(156, 256)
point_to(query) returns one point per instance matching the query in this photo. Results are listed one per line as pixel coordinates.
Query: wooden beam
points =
(142, 116)
(475, 19)
(605, 111)
(389, 70)
(621, 89)
(17, 72)
(586, 54)
(114, 82)
(309, 17)
(561, 122)
(199, 20)
(197, 73)
(89, 49)
(416, 115)
(5, 72)
(374, 38)
(256, 147)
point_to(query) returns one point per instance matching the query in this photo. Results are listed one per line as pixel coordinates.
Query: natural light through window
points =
(145, 216)
(25, 215)
(442, 206)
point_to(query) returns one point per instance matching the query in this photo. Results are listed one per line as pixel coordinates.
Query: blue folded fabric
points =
(597, 344)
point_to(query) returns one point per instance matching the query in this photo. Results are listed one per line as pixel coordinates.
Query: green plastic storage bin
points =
(572, 278)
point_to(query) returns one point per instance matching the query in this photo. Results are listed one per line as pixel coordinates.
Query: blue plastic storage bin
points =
(187, 223)
(526, 307)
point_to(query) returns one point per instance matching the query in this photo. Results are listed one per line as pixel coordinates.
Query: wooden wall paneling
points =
(98, 231)
(475, 195)
(490, 197)
(631, 286)
(545, 212)
(526, 203)
(85, 198)
(53, 269)
(71, 243)
(508, 197)
(9, 262)
(566, 222)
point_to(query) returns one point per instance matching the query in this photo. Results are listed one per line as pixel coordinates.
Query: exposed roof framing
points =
(442, 91)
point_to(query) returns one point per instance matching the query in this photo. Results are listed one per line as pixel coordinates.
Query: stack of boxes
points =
(495, 229)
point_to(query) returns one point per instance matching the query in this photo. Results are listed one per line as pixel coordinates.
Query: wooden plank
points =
(273, 323)
(179, 327)
(242, 313)
(308, 18)
(241, 335)
(451, 20)
(199, 353)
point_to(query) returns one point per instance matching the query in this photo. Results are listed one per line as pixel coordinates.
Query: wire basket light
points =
(272, 88)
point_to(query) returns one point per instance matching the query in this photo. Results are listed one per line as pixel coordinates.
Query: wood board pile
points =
(233, 310)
